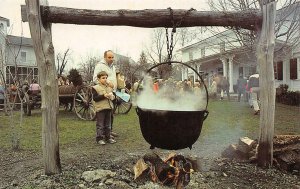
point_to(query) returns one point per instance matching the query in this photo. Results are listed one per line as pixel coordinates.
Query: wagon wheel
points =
(27, 105)
(83, 103)
(122, 107)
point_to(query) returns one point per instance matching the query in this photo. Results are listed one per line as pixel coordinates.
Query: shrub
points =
(284, 96)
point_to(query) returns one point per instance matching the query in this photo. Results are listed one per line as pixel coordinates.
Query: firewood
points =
(139, 168)
(162, 170)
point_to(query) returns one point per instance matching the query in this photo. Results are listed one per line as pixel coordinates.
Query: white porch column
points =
(224, 61)
(183, 71)
(230, 74)
(195, 75)
(298, 67)
(198, 71)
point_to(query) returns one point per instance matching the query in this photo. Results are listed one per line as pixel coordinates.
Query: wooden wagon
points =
(77, 98)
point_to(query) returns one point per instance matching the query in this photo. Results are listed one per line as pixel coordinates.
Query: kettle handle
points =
(205, 114)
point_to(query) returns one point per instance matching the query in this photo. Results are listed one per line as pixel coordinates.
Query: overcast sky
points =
(94, 40)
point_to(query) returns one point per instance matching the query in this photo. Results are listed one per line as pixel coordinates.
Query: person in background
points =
(34, 87)
(248, 94)
(67, 82)
(60, 81)
(121, 90)
(128, 86)
(102, 101)
(213, 89)
(135, 86)
(108, 66)
(197, 89)
(155, 86)
(241, 87)
(120, 80)
(13, 92)
(253, 85)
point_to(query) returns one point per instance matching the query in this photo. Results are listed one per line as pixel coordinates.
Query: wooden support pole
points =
(149, 18)
(265, 53)
(44, 52)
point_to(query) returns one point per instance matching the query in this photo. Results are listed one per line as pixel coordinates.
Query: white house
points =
(17, 58)
(223, 54)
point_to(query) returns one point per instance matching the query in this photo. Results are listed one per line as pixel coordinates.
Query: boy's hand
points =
(110, 84)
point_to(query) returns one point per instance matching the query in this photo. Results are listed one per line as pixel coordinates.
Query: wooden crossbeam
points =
(148, 18)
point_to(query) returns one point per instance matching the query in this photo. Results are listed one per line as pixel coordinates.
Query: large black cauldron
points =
(172, 130)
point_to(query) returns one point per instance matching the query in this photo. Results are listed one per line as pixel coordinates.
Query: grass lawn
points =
(227, 121)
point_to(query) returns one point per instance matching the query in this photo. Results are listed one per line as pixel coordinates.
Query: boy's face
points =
(103, 79)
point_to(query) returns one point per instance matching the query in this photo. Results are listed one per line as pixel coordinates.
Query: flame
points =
(175, 170)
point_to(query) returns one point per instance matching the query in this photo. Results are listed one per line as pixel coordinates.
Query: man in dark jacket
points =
(241, 87)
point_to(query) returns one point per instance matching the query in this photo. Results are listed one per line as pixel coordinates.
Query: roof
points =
(292, 7)
(219, 34)
(122, 57)
(5, 19)
(295, 5)
(16, 40)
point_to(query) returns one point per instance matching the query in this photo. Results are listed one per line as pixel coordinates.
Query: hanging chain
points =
(170, 46)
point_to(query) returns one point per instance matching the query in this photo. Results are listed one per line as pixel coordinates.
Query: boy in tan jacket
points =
(102, 101)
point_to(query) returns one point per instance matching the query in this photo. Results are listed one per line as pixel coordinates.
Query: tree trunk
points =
(265, 52)
(44, 52)
(149, 18)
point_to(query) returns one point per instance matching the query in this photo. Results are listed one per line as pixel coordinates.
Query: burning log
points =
(175, 170)
(160, 171)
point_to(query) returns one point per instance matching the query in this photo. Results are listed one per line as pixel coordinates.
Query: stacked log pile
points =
(286, 151)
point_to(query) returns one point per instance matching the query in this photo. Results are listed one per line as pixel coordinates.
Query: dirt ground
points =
(24, 169)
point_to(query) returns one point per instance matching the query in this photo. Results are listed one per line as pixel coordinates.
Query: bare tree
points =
(185, 36)
(124, 64)
(287, 22)
(162, 40)
(143, 59)
(87, 67)
(62, 60)
(2, 80)
(140, 68)
(156, 51)
(16, 103)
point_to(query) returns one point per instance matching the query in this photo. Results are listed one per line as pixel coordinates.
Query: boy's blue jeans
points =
(103, 124)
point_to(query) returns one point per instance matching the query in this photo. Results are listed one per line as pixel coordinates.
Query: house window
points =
(203, 52)
(220, 71)
(10, 72)
(241, 71)
(249, 71)
(23, 56)
(293, 68)
(191, 55)
(222, 47)
(278, 73)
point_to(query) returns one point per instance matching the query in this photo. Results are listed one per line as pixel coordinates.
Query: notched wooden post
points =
(44, 51)
(265, 53)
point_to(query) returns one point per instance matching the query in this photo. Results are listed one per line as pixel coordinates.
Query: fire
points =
(175, 170)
